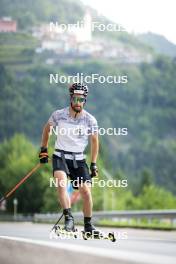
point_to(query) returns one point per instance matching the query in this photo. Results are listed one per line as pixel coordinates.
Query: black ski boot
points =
(89, 228)
(69, 220)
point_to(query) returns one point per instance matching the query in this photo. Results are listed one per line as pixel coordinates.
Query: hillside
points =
(30, 13)
(159, 43)
(146, 105)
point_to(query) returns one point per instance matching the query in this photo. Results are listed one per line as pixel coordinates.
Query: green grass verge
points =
(133, 224)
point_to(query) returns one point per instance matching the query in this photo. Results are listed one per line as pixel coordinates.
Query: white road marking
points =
(131, 257)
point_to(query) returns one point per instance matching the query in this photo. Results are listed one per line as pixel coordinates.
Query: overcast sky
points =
(158, 16)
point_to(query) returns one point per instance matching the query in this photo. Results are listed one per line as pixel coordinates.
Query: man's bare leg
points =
(85, 192)
(63, 196)
(64, 199)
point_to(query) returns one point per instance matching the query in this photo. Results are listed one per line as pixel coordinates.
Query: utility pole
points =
(15, 206)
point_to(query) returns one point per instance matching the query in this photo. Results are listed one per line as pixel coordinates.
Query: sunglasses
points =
(76, 99)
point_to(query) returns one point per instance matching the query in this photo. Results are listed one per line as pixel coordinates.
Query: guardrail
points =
(16, 218)
(117, 215)
(169, 215)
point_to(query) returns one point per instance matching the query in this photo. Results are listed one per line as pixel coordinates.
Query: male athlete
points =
(74, 127)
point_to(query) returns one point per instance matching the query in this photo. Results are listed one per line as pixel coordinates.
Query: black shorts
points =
(77, 175)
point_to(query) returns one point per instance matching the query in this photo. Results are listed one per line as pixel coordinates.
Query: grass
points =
(17, 48)
(154, 224)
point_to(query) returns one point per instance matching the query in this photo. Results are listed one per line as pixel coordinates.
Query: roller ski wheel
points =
(59, 231)
(91, 235)
(111, 237)
(98, 235)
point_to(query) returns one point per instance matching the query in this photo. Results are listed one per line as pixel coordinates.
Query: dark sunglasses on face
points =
(78, 99)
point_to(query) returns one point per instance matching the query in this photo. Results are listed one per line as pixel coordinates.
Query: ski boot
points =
(69, 221)
(89, 230)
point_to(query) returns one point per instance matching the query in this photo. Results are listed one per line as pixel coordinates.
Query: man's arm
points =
(43, 155)
(94, 147)
(94, 154)
(45, 135)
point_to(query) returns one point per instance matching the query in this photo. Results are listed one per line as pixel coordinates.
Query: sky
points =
(138, 16)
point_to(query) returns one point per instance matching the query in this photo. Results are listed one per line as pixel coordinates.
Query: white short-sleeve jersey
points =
(72, 133)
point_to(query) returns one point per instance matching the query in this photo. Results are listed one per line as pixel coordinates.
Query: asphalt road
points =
(132, 245)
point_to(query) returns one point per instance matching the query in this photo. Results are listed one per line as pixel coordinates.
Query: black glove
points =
(43, 155)
(93, 169)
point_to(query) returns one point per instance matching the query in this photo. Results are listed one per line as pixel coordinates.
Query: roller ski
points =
(62, 233)
(96, 235)
(90, 232)
(68, 230)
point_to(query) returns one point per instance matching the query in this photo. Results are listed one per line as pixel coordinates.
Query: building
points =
(8, 25)
(80, 31)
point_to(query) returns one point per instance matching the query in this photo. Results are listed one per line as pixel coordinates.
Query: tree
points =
(17, 157)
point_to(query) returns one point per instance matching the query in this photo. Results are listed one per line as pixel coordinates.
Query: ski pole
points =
(20, 183)
(57, 222)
